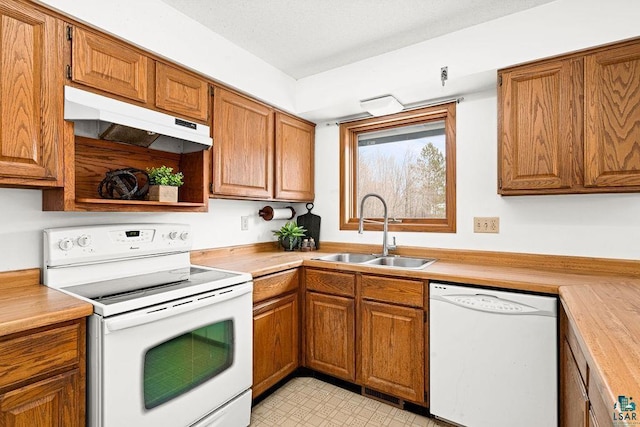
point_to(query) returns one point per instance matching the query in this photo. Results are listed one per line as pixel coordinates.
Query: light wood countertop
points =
(499, 276)
(25, 304)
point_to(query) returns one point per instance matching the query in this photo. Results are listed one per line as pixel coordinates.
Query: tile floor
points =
(306, 401)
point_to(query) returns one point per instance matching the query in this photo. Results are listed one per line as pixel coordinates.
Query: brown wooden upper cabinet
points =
(258, 153)
(294, 158)
(243, 146)
(181, 93)
(121, 70)
(612, 100)
(571, 124)
(31, 97)
(103, 63)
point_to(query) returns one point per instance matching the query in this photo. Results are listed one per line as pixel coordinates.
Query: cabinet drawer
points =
(331, 282)
(396, 291)
(275, 284)
(26, 356)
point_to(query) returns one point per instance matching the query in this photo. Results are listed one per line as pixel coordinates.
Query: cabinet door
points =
(52, 402)
(574, 402)
(31, 97)
(105, 64)
(393, 350)
(294, 159)
(275, 341)
(330, 335)
(181, 93)
(539, 126)
(243, 147)
(612, 99)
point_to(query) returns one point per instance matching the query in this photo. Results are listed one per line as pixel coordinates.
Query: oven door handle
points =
(175, 308)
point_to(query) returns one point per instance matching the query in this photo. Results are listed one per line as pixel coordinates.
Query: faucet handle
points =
(393, 246)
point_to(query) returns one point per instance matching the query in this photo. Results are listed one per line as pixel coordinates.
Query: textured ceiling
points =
(305, 37)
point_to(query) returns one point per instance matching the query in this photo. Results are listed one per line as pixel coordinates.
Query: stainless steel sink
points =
(348, 257)
(380, 261)
(401, 262)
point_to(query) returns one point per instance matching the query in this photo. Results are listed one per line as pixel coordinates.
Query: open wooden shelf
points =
(138, 202)
(93, 158)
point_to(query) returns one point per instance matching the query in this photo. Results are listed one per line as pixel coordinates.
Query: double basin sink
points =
(381, 261)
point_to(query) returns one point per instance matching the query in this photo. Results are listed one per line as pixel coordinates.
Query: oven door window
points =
(174, 367)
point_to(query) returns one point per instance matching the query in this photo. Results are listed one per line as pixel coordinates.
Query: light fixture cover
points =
(382, 106)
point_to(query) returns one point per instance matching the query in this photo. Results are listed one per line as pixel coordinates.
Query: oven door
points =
(172, 364)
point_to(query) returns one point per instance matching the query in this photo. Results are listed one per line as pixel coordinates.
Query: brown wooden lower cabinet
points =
(52, 402)
(575, 403)
(581, 402)
(42, 376)
(276, 326)
(275, 341)
(330, 335)
(392, 350)
(368, 329)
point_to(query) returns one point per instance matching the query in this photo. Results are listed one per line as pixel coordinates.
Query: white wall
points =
(22, 221)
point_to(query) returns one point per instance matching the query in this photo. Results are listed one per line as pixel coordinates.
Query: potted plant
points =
(163, 184)
(289, 235)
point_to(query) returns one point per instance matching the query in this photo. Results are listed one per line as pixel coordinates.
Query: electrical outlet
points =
(244, 223)
(486, 224)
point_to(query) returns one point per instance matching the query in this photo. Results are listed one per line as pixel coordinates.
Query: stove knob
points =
(65, 244)
(84, 241)
(184, 235)
(173, 235)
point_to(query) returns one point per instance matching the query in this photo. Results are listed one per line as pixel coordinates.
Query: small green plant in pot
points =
(163, 184)
(289, 235)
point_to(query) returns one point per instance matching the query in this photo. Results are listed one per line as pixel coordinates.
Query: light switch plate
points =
(486, 224)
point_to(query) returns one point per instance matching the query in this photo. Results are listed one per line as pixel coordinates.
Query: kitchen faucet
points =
(385, 223)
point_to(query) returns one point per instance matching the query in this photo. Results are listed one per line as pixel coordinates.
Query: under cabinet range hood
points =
(97, 116)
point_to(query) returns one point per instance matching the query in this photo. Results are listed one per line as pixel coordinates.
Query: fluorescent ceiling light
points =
(382, 106)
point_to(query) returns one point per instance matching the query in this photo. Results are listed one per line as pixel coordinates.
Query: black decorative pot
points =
(289, 243)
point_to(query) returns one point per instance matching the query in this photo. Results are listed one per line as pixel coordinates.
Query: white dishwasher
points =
(493, 357)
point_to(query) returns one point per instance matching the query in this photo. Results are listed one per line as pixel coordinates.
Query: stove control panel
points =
(133, 236)
(106, 242)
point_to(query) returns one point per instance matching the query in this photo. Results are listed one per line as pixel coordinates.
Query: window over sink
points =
(409, 159)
